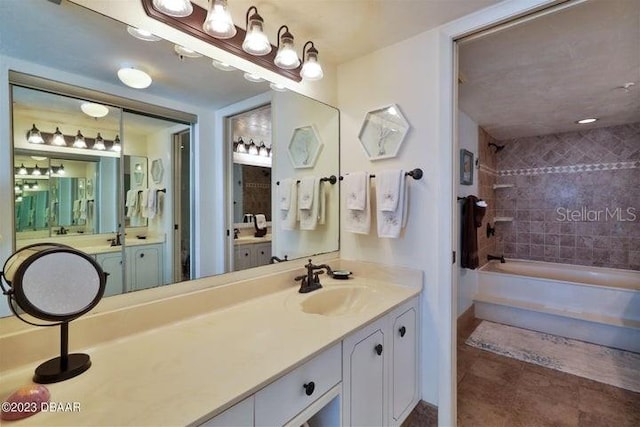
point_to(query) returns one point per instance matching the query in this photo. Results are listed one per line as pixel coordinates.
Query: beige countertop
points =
(97, 244)
(249, 240)
(189, 370)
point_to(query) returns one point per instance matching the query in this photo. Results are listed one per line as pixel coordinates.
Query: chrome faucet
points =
(311, 281)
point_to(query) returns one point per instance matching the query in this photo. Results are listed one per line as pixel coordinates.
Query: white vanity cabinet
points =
(251, 255)
(111, 263)
(146, 266)
(380, 369)
(240, 414)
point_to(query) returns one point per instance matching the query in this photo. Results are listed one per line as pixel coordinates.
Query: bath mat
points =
(618, 368)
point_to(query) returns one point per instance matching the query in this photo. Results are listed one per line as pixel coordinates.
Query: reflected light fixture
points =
(134, 78)
(79, 141)
(22, 170)
(311, 69)
(99, 143)
(219, 23)
(587, 121)
(253, 78)
(253, 148)
(36, 171)
(94, 110)
(255, 42)
(58, 138)
(240, 148)
(59, 170)
(177, 8)
(185, 52)
(262, 151)
(141, 34)
(286, 58)
(277, 87)
(223, 66)
(117, 146)
(34, 136)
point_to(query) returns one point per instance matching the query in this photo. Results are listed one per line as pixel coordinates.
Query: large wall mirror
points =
(130, 204)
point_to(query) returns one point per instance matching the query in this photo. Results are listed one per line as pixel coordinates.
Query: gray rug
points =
(603, 364)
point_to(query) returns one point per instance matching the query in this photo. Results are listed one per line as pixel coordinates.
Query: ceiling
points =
(541, 76)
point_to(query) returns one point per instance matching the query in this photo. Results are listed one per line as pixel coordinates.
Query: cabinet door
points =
(241, 414)
(364, 387)
(111, 263)
(244, 257)
(404, 365)
(146, 267)
(263, 254)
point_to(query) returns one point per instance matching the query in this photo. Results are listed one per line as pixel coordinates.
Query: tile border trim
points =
(593, 167)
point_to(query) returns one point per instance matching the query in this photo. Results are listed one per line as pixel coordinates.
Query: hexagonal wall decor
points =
(383, 132)
(304, 147)
(157, 170)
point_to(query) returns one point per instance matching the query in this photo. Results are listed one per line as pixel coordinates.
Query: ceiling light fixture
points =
(176, 8)
(134, 78)
(58, 139)
(185, 52)
(79, 141)
(141, 34)
(99, 143)
(286, 58)
(311, 69)
(94, 110)
(117, 146)
(255, 41)
(34, 136)
(253, 78)
(587, 121)
(222, 66)
(219, 23)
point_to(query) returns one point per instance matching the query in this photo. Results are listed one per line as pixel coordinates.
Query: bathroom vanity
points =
(247, 350)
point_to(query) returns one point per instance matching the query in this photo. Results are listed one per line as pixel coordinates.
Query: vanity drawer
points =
(281, 400)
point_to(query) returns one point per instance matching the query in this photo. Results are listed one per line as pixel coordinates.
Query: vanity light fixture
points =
(219, 23)
(277, 87)
(117, 146)
(141, 34)
(586, 121)
(58, 139)
(34, 136)
(253, 148)
(176, 8)
(286, 58)
(240, 147)
(222, 66)
(311, 69)
(185, 52)
(22, 170)
(79, 142)
(99, 143)
(94, 110)
(36, 171)
(255, 42)
(262, 151)
(58, 170)
(134, 78)
(253, 78)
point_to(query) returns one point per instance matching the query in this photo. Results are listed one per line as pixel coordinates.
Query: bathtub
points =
(593, 304)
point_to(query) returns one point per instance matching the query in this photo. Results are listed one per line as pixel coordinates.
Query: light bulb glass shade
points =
(253, 148)
(219, 23)
(256, 41)
(141, 34)
(223, 66)
(277, 87)
(253, 78)
(22, 170)
(60, 170)
(19, 199)
(311, 69)
(36, 171)
(35, 186)
(240, 148)
(186, 52)
(262, 151)
(286, 58)
(117, 146)
(177, 8)
(134, 78)
(79, 141)
(34, 136)
(99, 143)
(58, 139)
(17, 189)
(94, 110)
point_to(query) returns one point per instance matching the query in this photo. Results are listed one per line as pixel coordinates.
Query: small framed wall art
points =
(466, 167)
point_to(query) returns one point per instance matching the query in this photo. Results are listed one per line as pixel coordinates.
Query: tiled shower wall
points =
(576, 198)
(486, 180)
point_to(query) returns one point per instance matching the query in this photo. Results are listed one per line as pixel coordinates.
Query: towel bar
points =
(330, 179)
(415, 174)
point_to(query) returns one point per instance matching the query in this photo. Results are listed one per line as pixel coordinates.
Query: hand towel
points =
(390, 223)
(144, 200)
(388, 184)
(472, 214)
(132, 203)
(76, 209)
(82, 209)
(322, 203)
(309, 217)
(261, 221)
(152, 204)
(306, 192)
(288, 213)
(358, 220)
(355, 186)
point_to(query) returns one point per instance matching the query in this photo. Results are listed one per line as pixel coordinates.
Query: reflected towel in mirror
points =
(358, 220)
(288, 190)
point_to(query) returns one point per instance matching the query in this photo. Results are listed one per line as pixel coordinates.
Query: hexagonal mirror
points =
(157, 170)
(383, 132)
(304, 147)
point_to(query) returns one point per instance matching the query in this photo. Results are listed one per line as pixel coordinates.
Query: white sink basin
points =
(337, 301)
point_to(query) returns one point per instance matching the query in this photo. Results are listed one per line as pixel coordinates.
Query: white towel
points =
(261, 221)
(144, 200)
(76, 209)
(132, 203)
(354, 185)
(358, 220)
(390, 223)
(309, 217)
(82, 209)
(152, 204)
(306, 192)
(388, 189)
(288, 213)
(322, 203)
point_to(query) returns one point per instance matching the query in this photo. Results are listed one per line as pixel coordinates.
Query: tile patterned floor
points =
(497, 391)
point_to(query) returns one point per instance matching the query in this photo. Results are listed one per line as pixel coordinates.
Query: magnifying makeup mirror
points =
(55, 283)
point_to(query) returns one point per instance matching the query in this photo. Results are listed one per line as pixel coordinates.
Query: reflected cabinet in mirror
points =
(131, 176)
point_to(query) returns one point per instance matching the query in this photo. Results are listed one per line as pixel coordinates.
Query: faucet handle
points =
(299, 278)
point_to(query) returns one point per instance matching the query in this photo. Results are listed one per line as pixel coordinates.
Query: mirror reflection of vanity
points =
(180, 242)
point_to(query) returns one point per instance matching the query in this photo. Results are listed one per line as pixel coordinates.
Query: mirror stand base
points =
(52, 371)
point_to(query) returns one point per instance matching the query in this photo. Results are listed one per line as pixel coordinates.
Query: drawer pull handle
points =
(309, 388)
(378, 349)
(402, 331)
